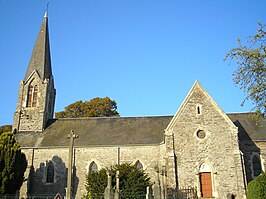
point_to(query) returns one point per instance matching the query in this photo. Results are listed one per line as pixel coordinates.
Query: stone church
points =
(200, 146)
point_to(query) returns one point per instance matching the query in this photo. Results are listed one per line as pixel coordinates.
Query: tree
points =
(96, 182)
(96, 107)
(13, 164)
(257, 187)
(251, 72)
(133, 182)
(5, 128)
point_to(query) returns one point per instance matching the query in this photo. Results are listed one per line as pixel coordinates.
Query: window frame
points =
(32, 96)
(254, 164)
(50, 173)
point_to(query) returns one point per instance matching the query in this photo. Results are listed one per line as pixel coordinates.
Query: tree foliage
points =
(13, 164)
(96, 107)
(133, 182)
(5, 128)
(96, 183)
(251, 72)
(257, 187)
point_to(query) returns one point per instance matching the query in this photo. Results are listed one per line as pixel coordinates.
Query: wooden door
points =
(206, 184)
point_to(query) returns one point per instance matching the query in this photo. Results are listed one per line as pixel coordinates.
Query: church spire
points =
(36, 96)
(40, 59)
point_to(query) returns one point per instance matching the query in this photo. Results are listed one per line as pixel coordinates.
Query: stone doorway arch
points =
(206, 180)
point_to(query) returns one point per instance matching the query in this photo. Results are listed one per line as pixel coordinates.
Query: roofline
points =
(231, 113)
(96, 146)
(121, 117)
(263, 140)
(145, 116)
(210, 99)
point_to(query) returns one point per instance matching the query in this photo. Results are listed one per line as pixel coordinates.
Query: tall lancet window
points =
(256, 164)
(32, 96)
(29, 101)
(50, 173)
(34, 99)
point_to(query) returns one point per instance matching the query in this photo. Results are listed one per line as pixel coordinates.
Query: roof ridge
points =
(240, 113)
(122, 117)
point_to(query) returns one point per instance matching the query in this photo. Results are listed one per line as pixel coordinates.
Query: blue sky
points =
(145, 54)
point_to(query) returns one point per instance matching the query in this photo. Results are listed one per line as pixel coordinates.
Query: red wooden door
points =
(206, 184)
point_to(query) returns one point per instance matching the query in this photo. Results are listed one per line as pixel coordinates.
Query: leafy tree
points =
(251, 72)
(96, 107)
(133, 182)
(5, 128)
(257, 187)
(13, 164)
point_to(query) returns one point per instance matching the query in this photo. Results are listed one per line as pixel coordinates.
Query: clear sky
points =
(145, 54)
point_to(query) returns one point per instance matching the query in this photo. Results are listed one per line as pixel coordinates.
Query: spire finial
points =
(46, 11)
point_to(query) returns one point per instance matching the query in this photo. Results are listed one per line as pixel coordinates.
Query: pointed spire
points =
(40, 58)
(46, 12)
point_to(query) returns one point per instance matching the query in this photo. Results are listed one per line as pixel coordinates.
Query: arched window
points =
(34, 99)
(50, 173)
(256, 166)
(93, 167)
(32, 96)
(139, 166)
(29, 99)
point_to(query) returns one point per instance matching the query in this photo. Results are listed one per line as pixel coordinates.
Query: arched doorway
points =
(205, 179)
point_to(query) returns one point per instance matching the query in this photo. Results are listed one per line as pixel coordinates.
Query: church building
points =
(200, 146)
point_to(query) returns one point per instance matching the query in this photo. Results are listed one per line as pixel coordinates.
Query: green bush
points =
(96, 183)
(133, 182)
(257, 187)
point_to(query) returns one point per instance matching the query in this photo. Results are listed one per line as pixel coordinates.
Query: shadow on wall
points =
(251, 153)
(50, 178)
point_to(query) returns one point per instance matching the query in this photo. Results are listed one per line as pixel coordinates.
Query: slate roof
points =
(119, 131)
(248, 126)
(102, 131)
(41, 58)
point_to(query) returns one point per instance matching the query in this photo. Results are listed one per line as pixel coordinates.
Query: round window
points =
(201, 134)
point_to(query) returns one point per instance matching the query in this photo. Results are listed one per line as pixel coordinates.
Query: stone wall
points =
(34, 118)
(151, 157)
(250, 149)
(204, 138)
(262, 146)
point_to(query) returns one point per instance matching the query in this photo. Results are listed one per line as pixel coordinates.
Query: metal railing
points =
(183, 193)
